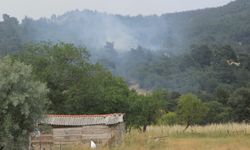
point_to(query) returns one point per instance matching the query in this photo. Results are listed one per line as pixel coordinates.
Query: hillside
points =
(154, 51)
(223, 25)
(175, 32)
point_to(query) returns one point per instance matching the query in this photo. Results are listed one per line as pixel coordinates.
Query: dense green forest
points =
(195, 66)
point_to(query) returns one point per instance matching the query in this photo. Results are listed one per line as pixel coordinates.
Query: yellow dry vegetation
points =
(211, 137)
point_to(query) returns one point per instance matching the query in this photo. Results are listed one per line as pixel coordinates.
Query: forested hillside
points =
(176, 51)
(169, 32)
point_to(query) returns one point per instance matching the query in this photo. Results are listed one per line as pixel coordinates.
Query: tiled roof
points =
(83, 120)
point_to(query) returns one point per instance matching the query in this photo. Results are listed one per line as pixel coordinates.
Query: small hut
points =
(105, 129)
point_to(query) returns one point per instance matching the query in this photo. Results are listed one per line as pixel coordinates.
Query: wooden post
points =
(29, 142)
(40, 143)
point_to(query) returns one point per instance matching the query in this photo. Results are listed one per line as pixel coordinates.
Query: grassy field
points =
(211, 137)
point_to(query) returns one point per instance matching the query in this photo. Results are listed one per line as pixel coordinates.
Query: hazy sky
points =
(41, 8)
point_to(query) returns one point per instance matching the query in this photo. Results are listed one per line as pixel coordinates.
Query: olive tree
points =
(191, 109)
(145, 110)
(23, 102)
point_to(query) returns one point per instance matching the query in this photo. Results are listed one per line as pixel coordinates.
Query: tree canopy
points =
(191, 109)
(76, 86)
(23, 103)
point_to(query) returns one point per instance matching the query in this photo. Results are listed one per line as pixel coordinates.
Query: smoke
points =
(117, 32)
(94, 29)
(132, 40)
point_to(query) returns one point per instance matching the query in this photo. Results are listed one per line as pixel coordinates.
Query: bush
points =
(170, 118)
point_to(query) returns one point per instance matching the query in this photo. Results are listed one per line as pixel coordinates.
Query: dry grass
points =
(212, 130)
(211, 137)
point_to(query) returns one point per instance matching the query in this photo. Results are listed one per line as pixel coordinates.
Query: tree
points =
(191, 109)
(62, 66)
(145, 110)
(240, 103)
(11, 35)
(202, 55)
(222, 93)
(76, 86)
(172, 100)
(23, 102)
(218, 113)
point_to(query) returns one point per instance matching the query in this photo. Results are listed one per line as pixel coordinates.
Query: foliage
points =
(11, 35)
(76, 86)
(170, 118)
(191, 109)
(202, 55)
(222, 93)
(239, 101)
(217, 113)
(23, 102)
(145, 110)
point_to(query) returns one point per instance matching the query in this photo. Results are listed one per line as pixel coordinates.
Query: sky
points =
(46, 8)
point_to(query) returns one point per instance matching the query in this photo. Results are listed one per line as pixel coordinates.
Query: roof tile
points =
(83, 120)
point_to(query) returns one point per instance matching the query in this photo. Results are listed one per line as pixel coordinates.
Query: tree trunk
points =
(144, 128)
(188, 124)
